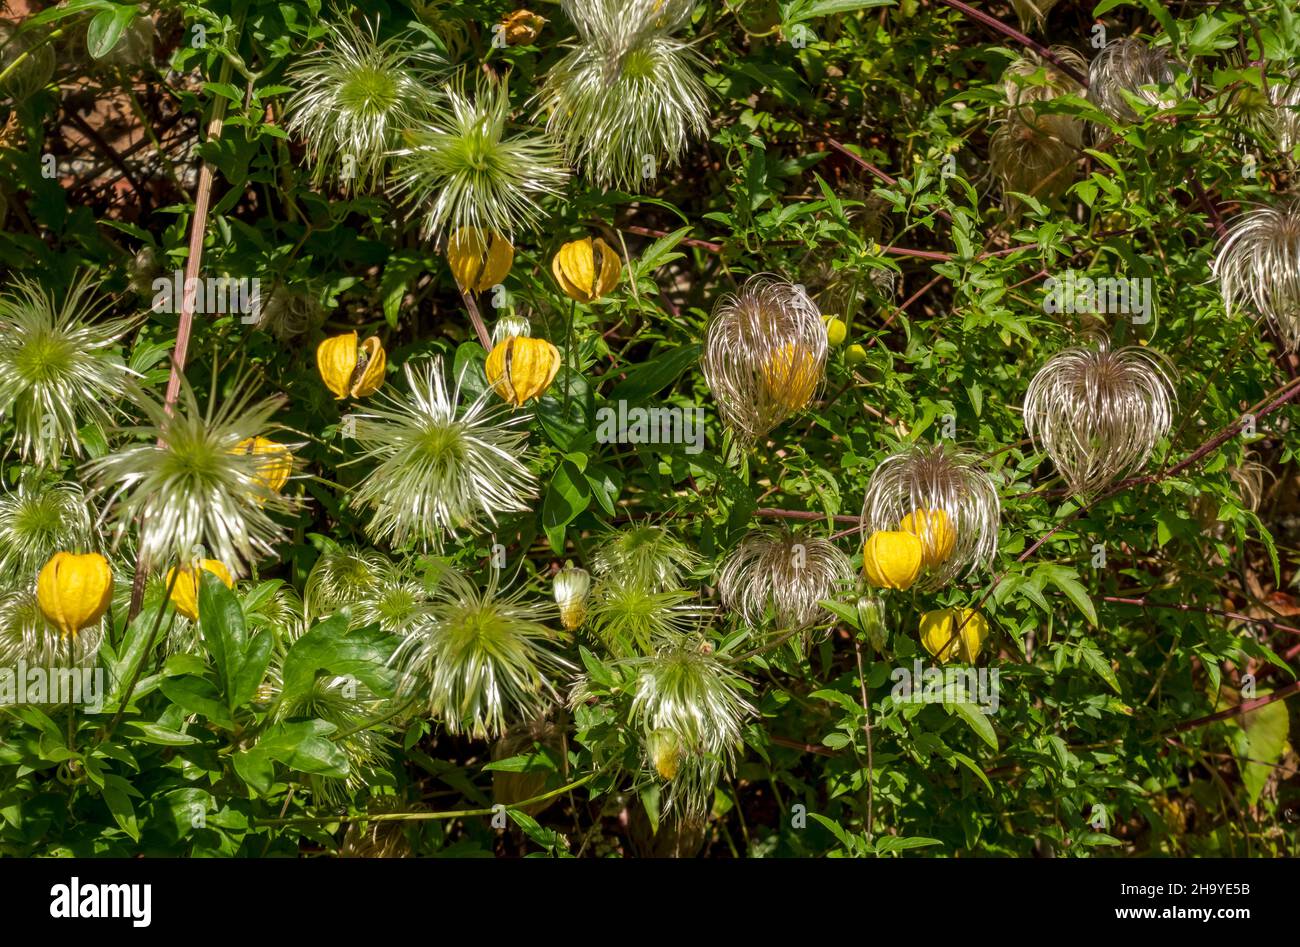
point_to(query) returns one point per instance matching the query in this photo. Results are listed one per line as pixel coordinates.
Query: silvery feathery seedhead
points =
(353, 99)
(39, 519)
(1033, 12)
(480, 657)
(629, 618)
(1133, 66)
(627, 99)
(764, 355)
(1258, 265)
(644, 555)
(1033, 152)
(185, 483)
(689, 707)
(376, 589)
(943, 497)
(786, 572)
(439, 466)
(59, 366)
(462, 169)
(26, 635)
(1098, 412)
(1271, 111)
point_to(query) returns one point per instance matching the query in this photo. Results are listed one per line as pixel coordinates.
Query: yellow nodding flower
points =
(521, 367)
(586, 269)
(74, 590)
(522, 26)
(275, 469)
(790, 375)
(891, 560)
(939, 627)
(185, 594)
(351, 369)
(479, 258)
(935, 531)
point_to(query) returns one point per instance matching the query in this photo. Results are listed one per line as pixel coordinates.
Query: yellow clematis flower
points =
(586, 269)
(938, 628)
(891, 560)
(351, 369)
(479, 258)
(185, 594)
(74, 590)
(935, 531)
(791, 375)
(274, 471)
(520, 368)
(522, 26)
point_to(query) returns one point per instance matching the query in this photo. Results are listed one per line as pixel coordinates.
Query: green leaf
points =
(653, 375)
(1265, 731)
(106, 28)
(568, 497)
(330, 648)
(1097, 661)
(978, 721)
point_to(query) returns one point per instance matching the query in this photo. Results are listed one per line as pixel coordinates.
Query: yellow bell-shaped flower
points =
(74, 590)
(935, 531)
(479, 258)
(586, 269)
(185, 593)
(522, 26)
(520, 368)
(940, 635)
(278, 464)
(790, 375)
(349, 368)
(891, 560)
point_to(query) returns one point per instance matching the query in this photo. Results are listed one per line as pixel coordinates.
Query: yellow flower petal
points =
(372, 375)
(336, 358)
(939, 627)
(274, 471)
(892, 560)
(185, 592)
(586, 269)
(479, 259)
(935, 531)
(520, 368)
(74, 591)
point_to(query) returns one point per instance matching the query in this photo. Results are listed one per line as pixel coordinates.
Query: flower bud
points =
(855, 354)
(935, 531)
(871, 617)
(891, 560)
(836, 330)
(74, 591)
(479, 258)
(520, 368)
(351, 369)
(571, 586)
(939, 627)
(665, 750)
(185, 591)
(586, 270)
